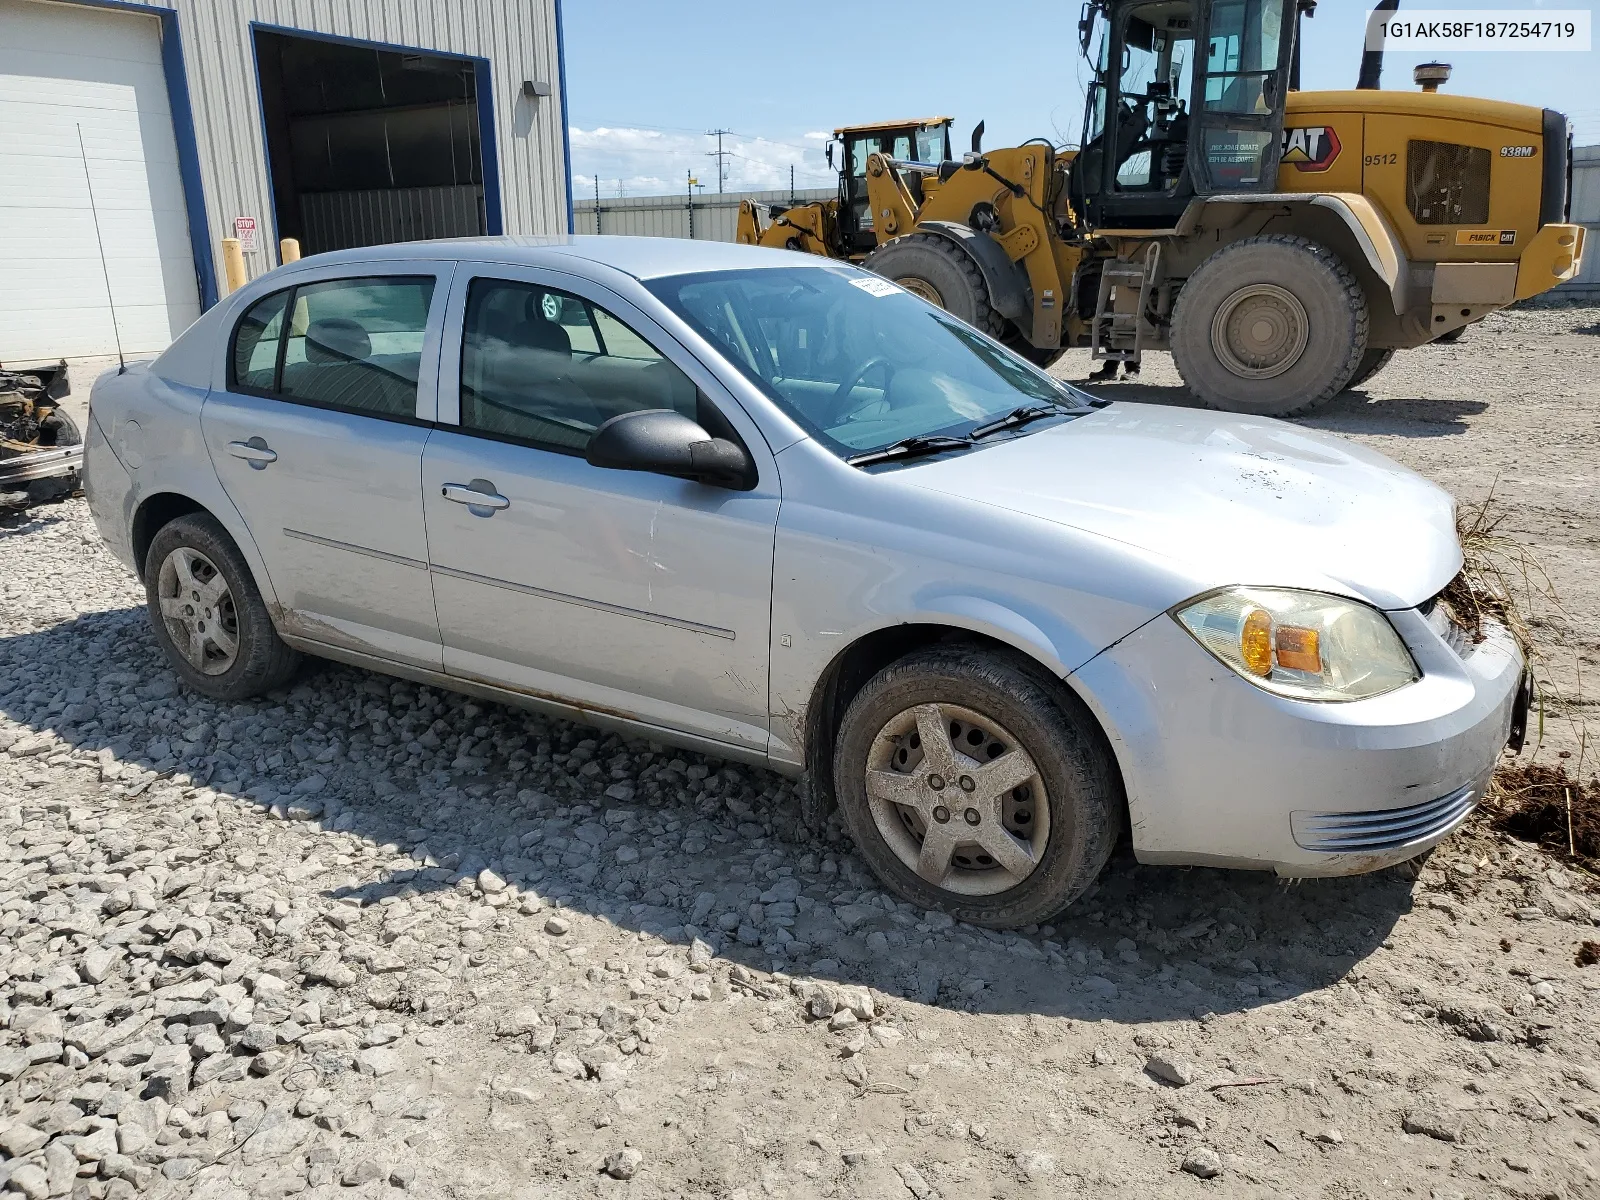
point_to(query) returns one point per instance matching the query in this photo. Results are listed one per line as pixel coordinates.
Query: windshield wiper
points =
(911, 447)
(1019, 417)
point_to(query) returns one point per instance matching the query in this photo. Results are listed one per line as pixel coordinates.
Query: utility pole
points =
(689, 175)
(597, 202)
(791, 183)
(720, 155)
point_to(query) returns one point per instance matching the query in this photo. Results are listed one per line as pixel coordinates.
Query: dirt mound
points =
(1543, 804)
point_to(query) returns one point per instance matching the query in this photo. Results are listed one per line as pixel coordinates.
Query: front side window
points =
(351, 344)
(855, 360)
(547, 368)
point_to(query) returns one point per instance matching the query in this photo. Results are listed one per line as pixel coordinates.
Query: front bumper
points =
(1221, 773)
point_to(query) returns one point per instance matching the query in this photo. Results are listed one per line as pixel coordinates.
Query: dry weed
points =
(1543, 804)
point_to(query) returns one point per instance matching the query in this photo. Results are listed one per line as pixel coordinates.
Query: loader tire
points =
(1272, 326)
(1372, 362)
(927, 265)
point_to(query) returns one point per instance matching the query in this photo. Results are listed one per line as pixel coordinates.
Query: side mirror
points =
(666, 442)
(830, 154)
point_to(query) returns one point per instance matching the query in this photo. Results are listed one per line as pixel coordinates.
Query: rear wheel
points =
(927, 265)
(1272, 326)
(972, 786)
(1372, 362)
(208, 614)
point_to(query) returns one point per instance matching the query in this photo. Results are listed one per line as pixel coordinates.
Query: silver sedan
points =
(779, 510)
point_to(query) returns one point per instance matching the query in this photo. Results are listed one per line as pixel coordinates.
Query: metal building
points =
(712, 217)
(151, 131)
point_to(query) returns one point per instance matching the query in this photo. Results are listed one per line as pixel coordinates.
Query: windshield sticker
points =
(876, 287)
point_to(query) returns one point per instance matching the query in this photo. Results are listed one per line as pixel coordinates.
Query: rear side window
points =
(351, 344)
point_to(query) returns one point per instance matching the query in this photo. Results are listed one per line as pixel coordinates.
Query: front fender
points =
(1007, 280)
(1378, 243)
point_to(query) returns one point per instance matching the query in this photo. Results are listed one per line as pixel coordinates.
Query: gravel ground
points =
(368, 939)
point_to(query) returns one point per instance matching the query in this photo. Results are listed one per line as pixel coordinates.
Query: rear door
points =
(620, 592)
(1240, 83)
(318, 436)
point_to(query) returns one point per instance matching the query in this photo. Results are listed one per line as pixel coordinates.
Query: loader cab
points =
(1187, 99)
(923, 141)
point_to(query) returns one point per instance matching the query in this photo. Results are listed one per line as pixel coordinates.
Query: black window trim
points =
(276, 392)
(720, 426)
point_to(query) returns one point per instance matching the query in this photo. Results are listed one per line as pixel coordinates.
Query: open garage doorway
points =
(367, 144)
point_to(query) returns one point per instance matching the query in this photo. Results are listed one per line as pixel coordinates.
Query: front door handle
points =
(479, 496)
(256, 452)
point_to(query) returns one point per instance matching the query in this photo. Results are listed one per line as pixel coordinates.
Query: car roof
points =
(641, 257)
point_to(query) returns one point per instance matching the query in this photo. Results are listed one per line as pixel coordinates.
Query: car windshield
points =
(857, 361)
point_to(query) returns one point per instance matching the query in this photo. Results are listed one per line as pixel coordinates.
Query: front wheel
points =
(928, 266)
(972, 785)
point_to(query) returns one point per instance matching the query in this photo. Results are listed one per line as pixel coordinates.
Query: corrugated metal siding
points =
(518, 37)
(1586, 211)
(376, 216)
(715, 217)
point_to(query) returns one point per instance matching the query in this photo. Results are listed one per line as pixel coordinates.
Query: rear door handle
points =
(256, 452)
(479, 494)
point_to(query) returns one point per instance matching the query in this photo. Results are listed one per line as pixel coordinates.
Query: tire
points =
(929, 266)
(1043, 357)
(260, 660)
(57, 429)
(1372, 362)
(1310, 310)
(982, 700)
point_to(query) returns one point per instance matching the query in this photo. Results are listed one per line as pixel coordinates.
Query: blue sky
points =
(647, 78)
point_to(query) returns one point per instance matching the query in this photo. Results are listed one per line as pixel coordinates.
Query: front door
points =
(317, 439)
(1240, 86)
(623, 593)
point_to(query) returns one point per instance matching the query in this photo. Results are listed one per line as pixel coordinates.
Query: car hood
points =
(1236, 500)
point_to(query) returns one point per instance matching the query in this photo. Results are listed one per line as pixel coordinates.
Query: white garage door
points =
(66, 68)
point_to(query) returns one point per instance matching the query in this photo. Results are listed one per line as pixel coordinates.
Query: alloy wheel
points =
(198, 610)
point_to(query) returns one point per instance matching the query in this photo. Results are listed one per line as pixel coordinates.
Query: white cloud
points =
(653, 162)
(818, 136)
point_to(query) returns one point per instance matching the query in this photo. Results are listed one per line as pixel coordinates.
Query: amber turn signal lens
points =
(1255, 642)
(1299, 649)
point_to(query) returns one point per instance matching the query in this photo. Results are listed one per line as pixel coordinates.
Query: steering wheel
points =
(841, 395)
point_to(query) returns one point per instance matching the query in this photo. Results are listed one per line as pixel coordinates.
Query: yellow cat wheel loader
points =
(1282, 244)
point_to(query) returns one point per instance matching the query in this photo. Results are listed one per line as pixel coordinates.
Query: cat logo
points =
(1311, 149)
(1486, 237)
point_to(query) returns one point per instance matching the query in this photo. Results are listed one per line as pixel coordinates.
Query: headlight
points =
(1307, 645)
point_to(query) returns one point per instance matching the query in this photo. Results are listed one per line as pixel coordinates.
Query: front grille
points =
(1384, 828)
(1447, 184)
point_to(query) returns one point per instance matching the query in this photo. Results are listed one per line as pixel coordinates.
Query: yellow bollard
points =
(233, 264)
(289, 250)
